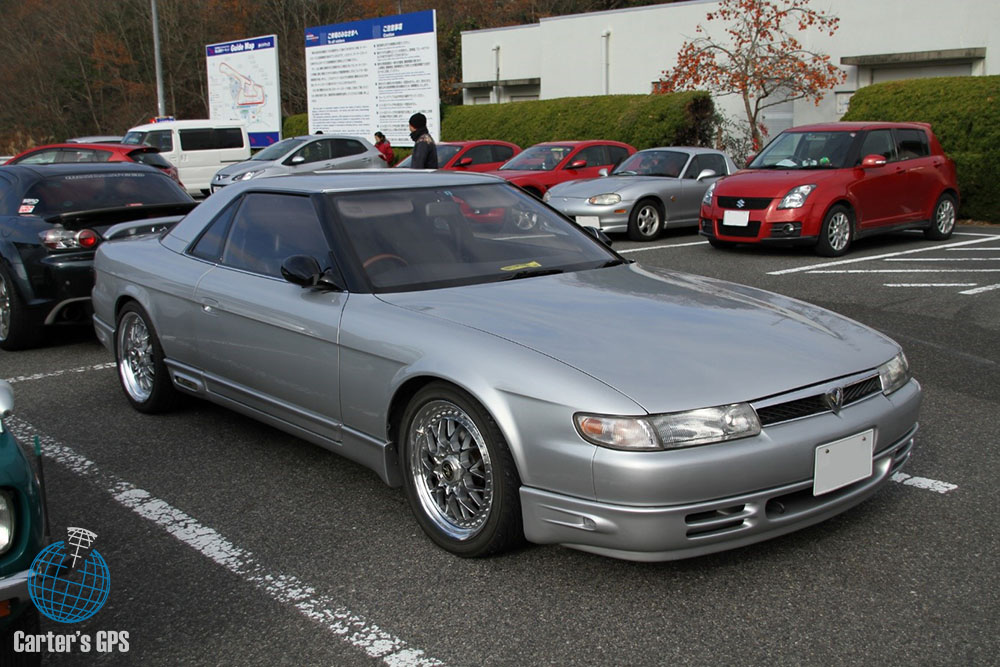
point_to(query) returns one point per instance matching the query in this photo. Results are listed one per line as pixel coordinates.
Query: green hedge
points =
(641, 120)
(964, 113)
(295, 126)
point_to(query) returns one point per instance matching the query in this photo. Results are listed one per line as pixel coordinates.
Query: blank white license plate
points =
(736, 218)
(588, 221)
(843, 462)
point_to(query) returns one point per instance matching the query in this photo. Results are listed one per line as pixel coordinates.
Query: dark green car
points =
(21, 531)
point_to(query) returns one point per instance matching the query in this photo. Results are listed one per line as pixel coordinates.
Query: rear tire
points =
(458, 473)
(942, 219)
(141, 371)
(17, 330)
(837, 232)
(645, 222)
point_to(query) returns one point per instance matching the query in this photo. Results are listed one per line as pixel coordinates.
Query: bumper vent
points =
(814, 405)
(749, 203)
(749, 231)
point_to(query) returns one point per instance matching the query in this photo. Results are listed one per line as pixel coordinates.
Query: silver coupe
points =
(650, 191)
(410, 322)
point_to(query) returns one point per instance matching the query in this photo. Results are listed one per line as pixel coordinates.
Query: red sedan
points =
(479, 155)
(73, 152)
(540, 167)
(825, 185)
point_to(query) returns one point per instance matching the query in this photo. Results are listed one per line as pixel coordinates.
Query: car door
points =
(878, 191)
(268, 344)
(921, 176)
(350, 154)
(312, 156)
(482, 159)
(596, 158)
(687, 193)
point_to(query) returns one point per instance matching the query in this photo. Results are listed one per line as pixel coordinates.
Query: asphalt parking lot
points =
(232, 543)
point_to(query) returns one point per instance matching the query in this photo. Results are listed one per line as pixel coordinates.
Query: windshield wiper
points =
(616, 262)
(531, 273)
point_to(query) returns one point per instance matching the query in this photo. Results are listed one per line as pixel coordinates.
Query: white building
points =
(625, 51)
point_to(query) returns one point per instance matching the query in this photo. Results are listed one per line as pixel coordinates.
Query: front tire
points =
(943, 220)
(836, 233)
(17, 330)
(645, 222)
(458, 473)
(143, 375)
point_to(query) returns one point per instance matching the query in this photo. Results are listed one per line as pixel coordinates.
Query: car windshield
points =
(84, 192)
(653, 163)
(538, 158)
(278, 150)
(134, 138)
(425, 238)
(806, 150)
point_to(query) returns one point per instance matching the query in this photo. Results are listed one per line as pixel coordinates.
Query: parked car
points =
(22, 521)
(479, 155)
(96, 152)
(538, 168)
(199, 148)
(299, 155)
(368, 313)
(651, 190)
(826, 185)
(51, 219)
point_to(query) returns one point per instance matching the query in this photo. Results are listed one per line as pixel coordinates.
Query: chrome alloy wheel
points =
(944, 216)
(5, 308)
(451, 469)
(648, 220)
(136, 364)
(838, 231)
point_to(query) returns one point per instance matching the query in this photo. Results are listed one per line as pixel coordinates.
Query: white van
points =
(198, 148)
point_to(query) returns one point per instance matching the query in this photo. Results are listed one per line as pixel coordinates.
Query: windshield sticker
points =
(517, 267)
(26, 208)
(29, 201)
(115, 174)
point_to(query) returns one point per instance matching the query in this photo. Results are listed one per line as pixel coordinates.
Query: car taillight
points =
(67, 239)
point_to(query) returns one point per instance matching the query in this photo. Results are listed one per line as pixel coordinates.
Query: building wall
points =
(567, 53)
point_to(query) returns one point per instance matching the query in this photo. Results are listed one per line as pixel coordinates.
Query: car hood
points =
(772, 183)
(669, 341)
(582, 189)
(243, 167)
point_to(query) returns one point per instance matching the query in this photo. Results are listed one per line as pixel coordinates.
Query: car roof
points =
(69, 168)
(182, 124)
(313, 137)
(685, 149)
(847, 126)
(473, 142)
(102, 146)
(584, 142)
(346, 180)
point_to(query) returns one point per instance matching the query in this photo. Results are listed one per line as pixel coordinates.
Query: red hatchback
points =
(829, 184)
(479, 155)
(538, 168)
(72, 152)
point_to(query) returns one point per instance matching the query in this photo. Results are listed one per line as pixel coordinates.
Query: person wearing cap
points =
(384, 149)
(424, 150)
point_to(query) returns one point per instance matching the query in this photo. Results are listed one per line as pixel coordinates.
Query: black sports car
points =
(52, 217)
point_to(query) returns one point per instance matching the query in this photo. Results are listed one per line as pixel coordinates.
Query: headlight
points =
(796, 197)
(707, 199)
(605, 200)
(6, 521)
(670, 431)
(547, 196)
(247, 175)
(894, 373)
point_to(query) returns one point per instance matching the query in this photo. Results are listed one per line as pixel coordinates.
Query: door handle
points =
(209, 305)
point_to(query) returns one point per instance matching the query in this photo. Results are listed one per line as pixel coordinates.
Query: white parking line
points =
(978, 290)
(923, 483)
(907, 271)
(286, 589)
(659, 247)
(929, 284)
(855, 260)
(972, 249)
(42, 376)
(944, 259)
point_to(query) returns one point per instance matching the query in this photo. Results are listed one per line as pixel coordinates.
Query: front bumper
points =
(612, 218)
(770, 225)
(719, 497)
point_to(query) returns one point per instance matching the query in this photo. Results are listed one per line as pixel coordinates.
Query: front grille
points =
(815, 404)
(749, 203)
(750, 230)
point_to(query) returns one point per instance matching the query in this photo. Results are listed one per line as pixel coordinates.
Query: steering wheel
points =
(375, 259)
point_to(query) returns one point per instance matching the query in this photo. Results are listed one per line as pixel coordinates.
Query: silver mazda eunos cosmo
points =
(413, 322)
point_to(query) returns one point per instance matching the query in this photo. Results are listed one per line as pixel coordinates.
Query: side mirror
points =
(706, 173)
(6, 398)
(304, 271)
(464, 162)
(599, 235)
(577, 164)
(873, 160)
(603, 171)
(751, 159)
(298, 159)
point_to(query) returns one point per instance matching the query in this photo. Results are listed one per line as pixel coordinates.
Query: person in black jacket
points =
(424, 149)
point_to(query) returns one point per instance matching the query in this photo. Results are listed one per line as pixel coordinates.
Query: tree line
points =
(80, 67)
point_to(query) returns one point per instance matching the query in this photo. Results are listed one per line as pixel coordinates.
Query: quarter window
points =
(348, 147)
(911, 143)
(618, 154)
(269, 228)
(502, 153)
